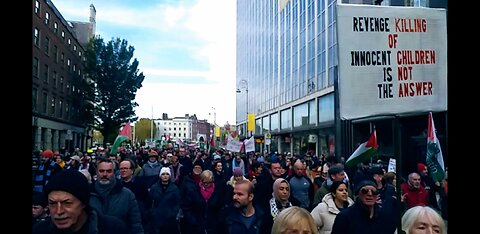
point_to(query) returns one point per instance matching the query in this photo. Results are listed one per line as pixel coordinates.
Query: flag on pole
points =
(124, 135)
(364, 151)
(434, 160)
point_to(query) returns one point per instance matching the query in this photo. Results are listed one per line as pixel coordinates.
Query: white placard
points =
(391, 60)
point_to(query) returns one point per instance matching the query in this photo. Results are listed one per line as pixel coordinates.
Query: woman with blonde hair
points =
(324, 213)
(294, 220)
(423, 220)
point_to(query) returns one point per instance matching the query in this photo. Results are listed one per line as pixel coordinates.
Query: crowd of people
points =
(187, 190)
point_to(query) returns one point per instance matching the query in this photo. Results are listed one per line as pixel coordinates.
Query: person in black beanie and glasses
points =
(366, 216)
(67, 196)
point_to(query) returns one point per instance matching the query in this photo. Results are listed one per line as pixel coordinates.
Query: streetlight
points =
(246, 103)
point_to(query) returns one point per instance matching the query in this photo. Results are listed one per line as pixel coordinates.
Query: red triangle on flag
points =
(126, 131)
(372, 141)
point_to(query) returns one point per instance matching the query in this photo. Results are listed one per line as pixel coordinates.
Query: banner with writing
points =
(391, 60)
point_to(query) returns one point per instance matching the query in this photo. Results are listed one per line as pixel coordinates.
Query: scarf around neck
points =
(206, 191)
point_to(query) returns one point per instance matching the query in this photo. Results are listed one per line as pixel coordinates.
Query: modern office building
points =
(287, 76)
(58, 51)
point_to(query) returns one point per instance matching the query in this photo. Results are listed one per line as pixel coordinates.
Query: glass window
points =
(55, 27)
(47, 18)
(62, 59)
(37, 7)
(258, 125)
(63, 35)
(274, 122)
(266, 124)
(55, 53)
(326, 108)
(286, 119)
(300, 115)
(52, 107)
(60, 108)
(47, 45)
(69, 41)
(67, 110)
(61, 83)
(36, 37)
(312, 112)
(54, 79)
(45, 73)
(75, 48)
(35, 66)
(34, 98)
(45, 103)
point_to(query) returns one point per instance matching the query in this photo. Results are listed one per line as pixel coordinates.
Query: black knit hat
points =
(364, 183)
(197, 163)
(73, 182)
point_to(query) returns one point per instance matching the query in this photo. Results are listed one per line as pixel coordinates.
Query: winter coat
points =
(232, 224)
(356, 220)
(120, 203)
(199, 216)
(96, 224)
(414, 197)
(165, 206)
(325, 212)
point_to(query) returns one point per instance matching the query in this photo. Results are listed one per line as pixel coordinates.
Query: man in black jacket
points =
(68, 196)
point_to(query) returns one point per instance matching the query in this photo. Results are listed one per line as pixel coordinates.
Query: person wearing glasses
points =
(366, 215)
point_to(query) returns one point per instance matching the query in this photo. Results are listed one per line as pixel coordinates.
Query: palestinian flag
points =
(364, 151)
(124, 135)
(434, 160)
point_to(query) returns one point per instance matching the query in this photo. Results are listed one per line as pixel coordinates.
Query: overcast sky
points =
(186, 50)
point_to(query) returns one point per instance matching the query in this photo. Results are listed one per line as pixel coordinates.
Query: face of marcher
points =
(165, 177)
(37, 211)
(339, 176)
(218, 166)
(368, 195)
(276, 170)
(415, 181)
(65, 210)
(341, 193)
(283, 191)
(241, 198)
(126, 171)
(425, 225)
(197, 170)
(105, 172)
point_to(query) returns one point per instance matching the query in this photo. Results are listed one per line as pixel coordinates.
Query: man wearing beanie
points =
(365, 216)
(166, 204)
(45, 171)
(68, 197)
(110, 197)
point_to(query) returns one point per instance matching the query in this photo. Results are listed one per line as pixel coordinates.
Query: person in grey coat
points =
(109, 197)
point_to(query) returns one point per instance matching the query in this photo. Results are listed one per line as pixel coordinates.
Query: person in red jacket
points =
(413, 192)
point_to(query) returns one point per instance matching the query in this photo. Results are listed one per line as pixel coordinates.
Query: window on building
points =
(62, 59)
(184, 129)
(63, 35)
(55, 28)
(47, 18)
(79, 72)
(45, 73)
(55, 53)
(174, 134)
(60, 108)
(184, 135)
(37, 7)
(68, 64)
(45, 103)
(35, 67)
(47, 45)
(79, 53)
(75, 48)
(36, 37)
(69, 41)
(61, 84)
(67, 111)
(54, 79)
(73, 88)
(174, 129)
(52, 106)
(169, 129)
(74, 67)
(68, 87)
(34, 98)
(165, 129)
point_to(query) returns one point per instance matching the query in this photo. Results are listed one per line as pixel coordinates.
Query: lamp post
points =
(214, 124)
(246, 104)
